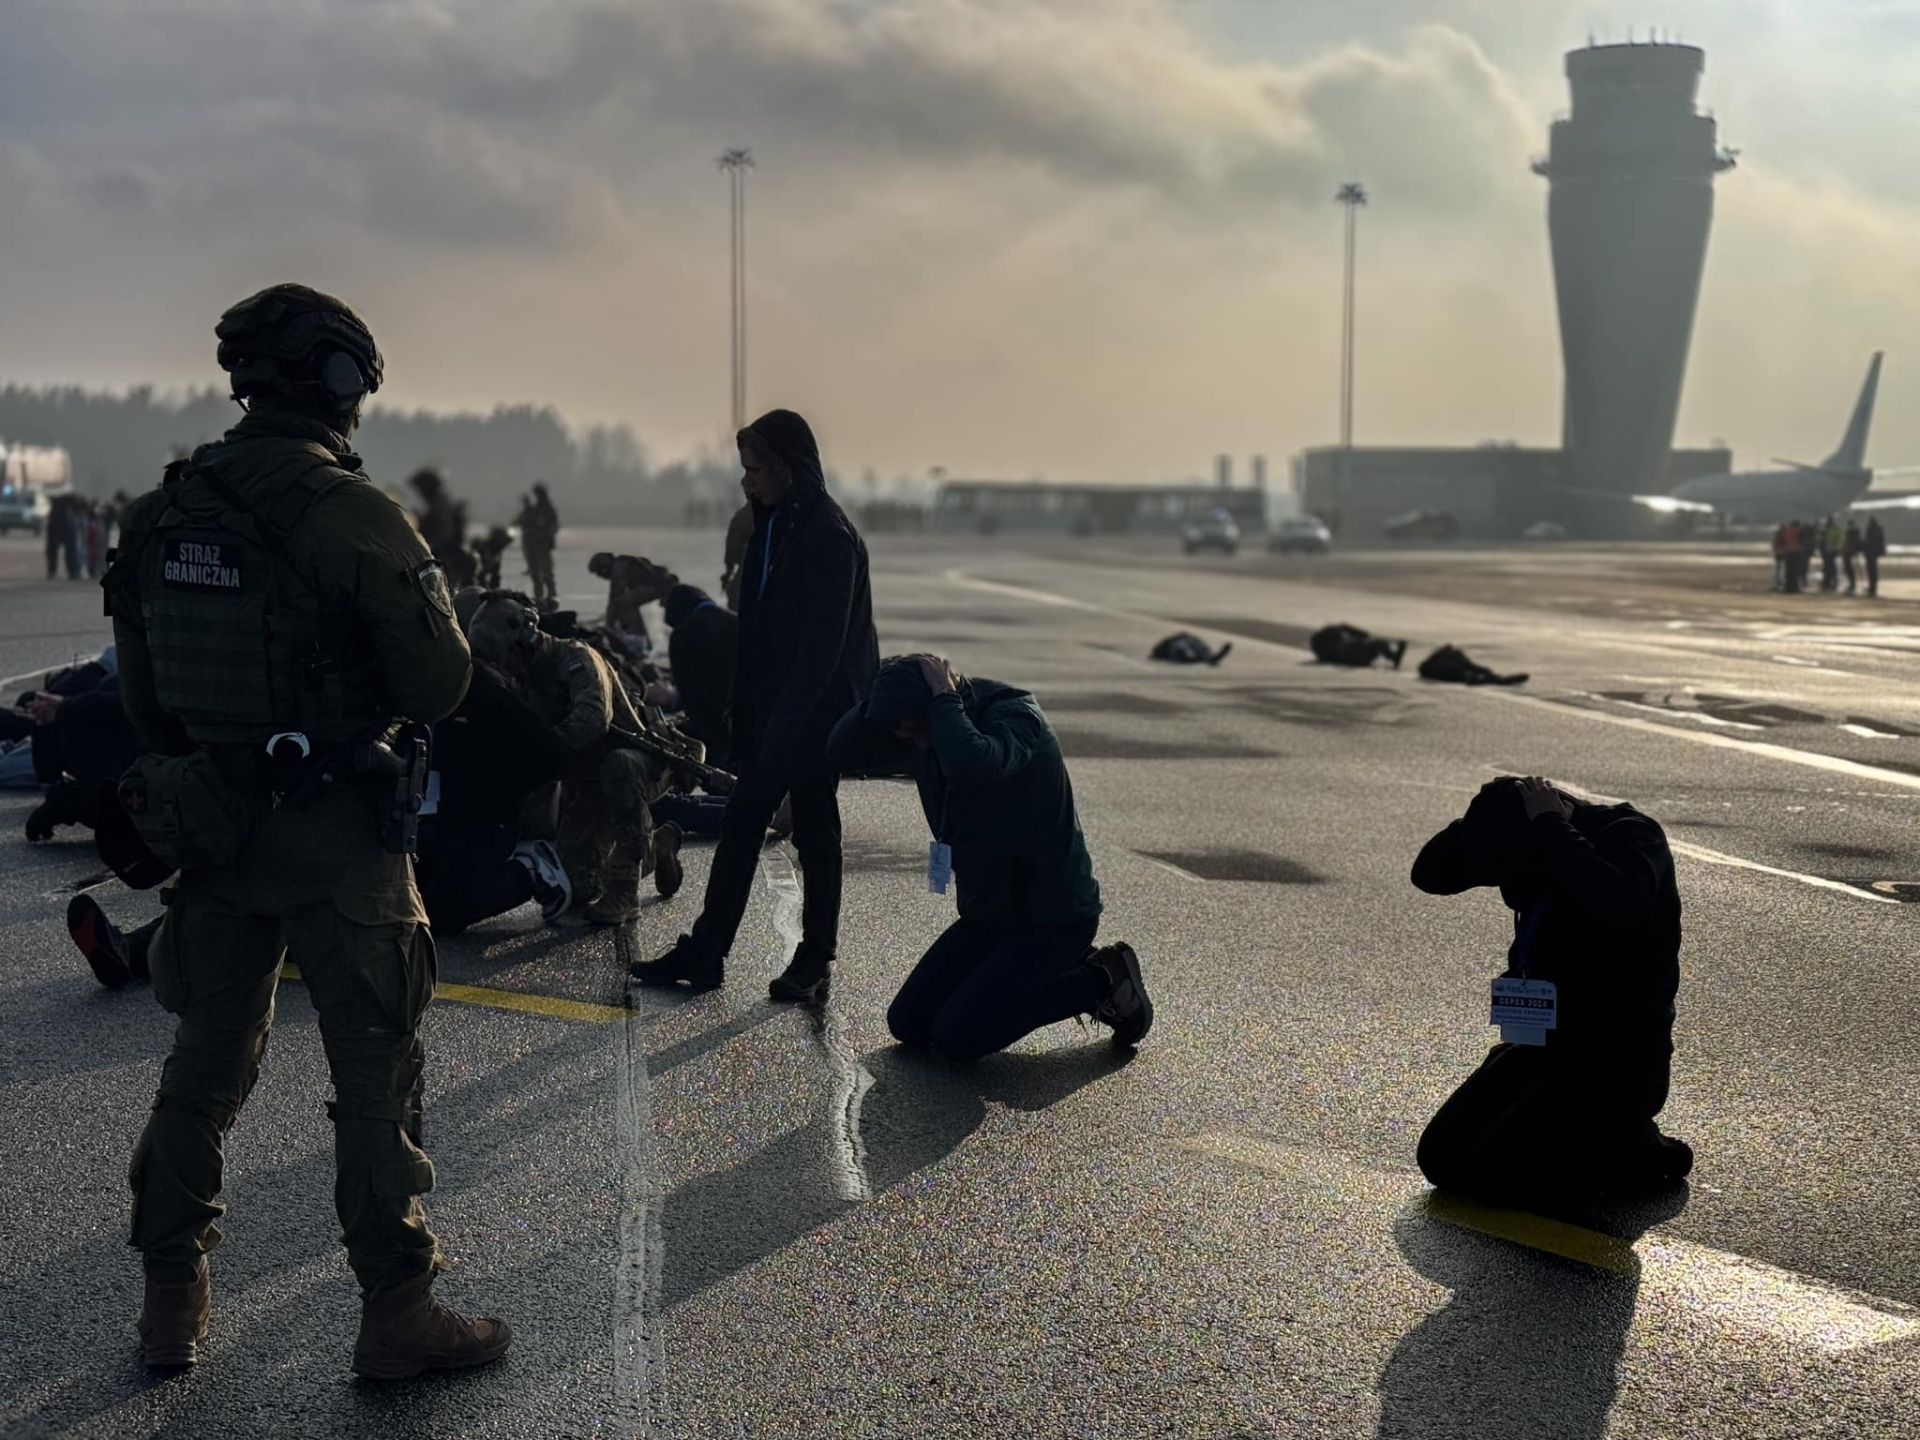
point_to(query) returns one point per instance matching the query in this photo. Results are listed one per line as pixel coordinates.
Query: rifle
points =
(714, 782)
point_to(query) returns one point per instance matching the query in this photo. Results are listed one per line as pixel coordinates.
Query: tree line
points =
(121, 441)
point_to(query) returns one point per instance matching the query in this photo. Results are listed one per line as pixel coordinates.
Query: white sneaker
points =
(551, 887)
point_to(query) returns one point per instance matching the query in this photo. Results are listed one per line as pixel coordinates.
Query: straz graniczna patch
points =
(201, 565)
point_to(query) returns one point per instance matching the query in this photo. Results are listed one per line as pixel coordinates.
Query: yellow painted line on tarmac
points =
(515, 1000)
(1536, 1232)
(1690, 1283)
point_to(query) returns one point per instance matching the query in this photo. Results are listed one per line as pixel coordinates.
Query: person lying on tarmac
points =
(81, 741)
(1563, 1109)
(1454, 666)
(1350, 645)
(996, 795)
(1186, 648)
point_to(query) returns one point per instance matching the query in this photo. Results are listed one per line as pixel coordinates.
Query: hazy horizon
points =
(1091, 239)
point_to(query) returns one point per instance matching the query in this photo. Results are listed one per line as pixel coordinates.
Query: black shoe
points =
(1220, 654)
(1126, 1008)
(1399, 653)
(668, 876)
(805, 979)
(98, 939)
(685, 964)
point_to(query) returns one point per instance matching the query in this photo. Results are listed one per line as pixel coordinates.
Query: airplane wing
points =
(1665, 504)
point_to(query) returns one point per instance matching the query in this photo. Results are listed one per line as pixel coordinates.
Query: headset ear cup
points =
(342, 376)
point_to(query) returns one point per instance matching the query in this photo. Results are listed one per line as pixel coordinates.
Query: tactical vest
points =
(243, 645)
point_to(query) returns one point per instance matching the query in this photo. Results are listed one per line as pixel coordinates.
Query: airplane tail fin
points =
(1852, 453)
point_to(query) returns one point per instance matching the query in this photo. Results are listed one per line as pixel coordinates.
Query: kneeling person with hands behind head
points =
(1563, 1109)
(1005, 832)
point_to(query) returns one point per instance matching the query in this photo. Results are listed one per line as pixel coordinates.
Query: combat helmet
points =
(300, 346)
(505, 630)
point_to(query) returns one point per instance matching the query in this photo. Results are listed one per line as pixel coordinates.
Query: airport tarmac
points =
(712, 1216)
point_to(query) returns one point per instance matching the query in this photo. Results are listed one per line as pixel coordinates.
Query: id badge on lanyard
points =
(1525, 1009)
(940, 857)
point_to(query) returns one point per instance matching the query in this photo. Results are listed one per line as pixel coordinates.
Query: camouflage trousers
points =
(606, 829)
(216, 965)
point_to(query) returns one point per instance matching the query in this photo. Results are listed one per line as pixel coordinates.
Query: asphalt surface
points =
(715, 1217)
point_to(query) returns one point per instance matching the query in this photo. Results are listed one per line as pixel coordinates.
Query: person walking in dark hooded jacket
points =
(1563, 1108)
(807, 655)
(996, 795)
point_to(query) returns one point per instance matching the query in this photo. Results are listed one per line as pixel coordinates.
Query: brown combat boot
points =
(173, 1321)
(406, 1331)
(619, 897)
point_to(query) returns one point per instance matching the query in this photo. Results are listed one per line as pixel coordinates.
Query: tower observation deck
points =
(1630, 199)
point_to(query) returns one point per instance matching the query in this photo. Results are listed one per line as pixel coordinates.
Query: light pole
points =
(1352, 195)
(737, 160)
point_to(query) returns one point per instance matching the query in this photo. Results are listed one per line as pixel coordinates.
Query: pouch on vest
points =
(190, 810)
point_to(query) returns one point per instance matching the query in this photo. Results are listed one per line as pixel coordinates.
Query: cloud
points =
(1084, 237)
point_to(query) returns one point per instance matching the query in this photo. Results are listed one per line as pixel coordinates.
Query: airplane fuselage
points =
(1770, 496)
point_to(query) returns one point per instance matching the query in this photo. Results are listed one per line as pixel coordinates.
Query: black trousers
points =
(1528, 1126)
(1873, 574)
(743, 831)
(467, 873)
(977, 990)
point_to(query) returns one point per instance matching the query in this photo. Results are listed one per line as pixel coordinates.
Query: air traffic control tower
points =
(1630, 175)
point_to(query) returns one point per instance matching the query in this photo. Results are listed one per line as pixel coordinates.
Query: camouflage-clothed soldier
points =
(607, 836)
(268, 592)
(539, 532)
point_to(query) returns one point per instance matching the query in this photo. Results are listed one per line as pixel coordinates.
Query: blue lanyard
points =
(766, 553)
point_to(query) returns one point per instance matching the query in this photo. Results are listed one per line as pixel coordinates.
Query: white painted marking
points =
(1819, 882)
(1679, 1277)
(639, 1344)
(1046, 597)
(1762, 749)
(1867, 732)
(1698, 716)
(849, 1079)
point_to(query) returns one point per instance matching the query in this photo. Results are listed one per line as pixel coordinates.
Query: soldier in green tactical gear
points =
(277, 615)
(607, 836)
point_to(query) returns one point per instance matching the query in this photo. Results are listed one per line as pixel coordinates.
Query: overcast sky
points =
(1080, 238)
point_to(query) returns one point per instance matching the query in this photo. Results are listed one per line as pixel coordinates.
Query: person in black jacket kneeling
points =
(1563, 1108)
(1005, 833)
(807, 656)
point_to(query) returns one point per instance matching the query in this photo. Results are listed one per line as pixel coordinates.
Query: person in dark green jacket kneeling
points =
(1006, 837)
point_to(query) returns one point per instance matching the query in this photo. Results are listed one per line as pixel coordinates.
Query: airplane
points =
(1834, 485)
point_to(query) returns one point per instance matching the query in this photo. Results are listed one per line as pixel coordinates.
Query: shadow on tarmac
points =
(916, 1113)
(1528, 1346)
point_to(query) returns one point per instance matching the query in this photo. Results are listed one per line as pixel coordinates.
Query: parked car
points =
(1422, 525)
(1216, 532)
(1302, 534)
(23, 507)
(1544, 530)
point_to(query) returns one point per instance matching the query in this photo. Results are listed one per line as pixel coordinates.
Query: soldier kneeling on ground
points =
(1563, 1108)
(1350, 645)
(1454, 666)
(607, 836)
(1186, 648)
(995, 791)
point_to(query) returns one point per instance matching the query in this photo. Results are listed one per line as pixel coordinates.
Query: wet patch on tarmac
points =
(870, 858)
(1326, 708)
(1116, 702)
(1255, 867)
(1094, 745)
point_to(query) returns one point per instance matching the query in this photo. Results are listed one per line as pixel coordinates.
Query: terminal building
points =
(1492, 492)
